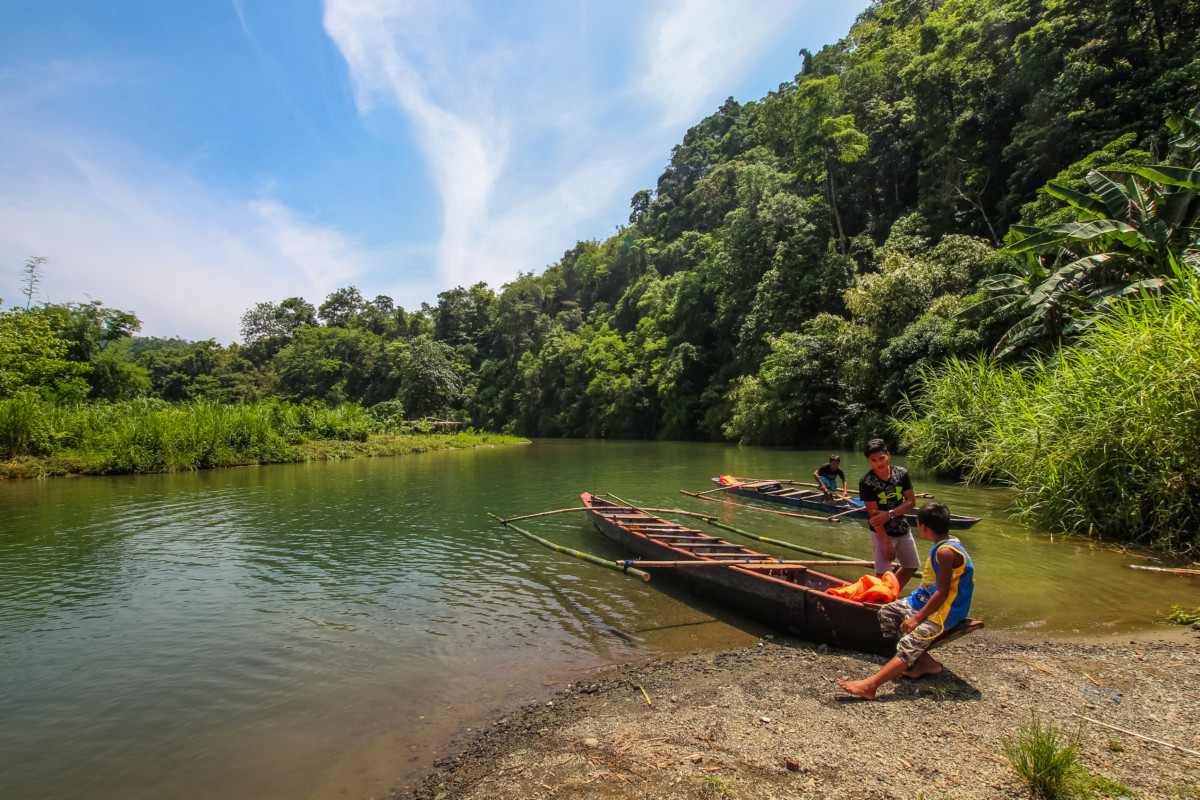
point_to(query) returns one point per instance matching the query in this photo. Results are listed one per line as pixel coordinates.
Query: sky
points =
(186, 160)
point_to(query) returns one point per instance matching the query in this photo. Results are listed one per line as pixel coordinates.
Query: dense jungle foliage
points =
(945, 183)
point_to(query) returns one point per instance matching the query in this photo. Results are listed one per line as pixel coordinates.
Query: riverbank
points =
(375, 446)
(770, 722)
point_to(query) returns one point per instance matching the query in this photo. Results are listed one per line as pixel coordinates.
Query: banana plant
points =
(1137, 231)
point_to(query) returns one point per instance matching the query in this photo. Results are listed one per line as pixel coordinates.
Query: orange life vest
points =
(869, 589)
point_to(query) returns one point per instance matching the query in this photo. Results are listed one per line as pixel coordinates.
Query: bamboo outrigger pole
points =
(924, 495)
(834, 557)
(700, 496)
(778, 543)
(588, 557)
(764, 564)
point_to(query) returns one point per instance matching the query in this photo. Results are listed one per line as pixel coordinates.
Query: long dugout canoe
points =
(777, 492)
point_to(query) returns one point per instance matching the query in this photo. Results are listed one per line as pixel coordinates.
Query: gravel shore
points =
(770, 722)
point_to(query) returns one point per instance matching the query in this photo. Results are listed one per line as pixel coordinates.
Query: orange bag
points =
(869, 589)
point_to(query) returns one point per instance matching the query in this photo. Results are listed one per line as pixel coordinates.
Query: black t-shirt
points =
(888, 494)
(825, 471)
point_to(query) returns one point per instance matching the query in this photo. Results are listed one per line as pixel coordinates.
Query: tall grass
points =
(148, 435)
(1046, 759)
(1103, 440)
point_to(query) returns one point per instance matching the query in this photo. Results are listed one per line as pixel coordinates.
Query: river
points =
(313, 630)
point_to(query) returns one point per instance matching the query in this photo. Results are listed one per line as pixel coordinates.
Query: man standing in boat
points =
(827, 475)
(887, 493)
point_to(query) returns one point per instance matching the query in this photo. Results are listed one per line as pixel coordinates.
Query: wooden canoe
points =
(800, 497)
(789, 598)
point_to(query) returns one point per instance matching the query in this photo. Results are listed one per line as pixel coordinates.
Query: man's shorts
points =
(901, 548)
(911, 644)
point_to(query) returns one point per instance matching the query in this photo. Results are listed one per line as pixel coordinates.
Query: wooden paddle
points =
(841, 514)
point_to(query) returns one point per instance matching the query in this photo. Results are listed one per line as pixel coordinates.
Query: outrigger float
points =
(797, 495)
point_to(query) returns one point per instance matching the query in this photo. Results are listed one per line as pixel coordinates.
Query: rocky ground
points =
(770, 722)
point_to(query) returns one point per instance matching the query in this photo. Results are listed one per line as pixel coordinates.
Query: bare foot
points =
(861, 689)
(926, 665)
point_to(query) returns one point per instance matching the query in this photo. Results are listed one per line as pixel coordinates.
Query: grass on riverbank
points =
(1102, 440)
(41, 439)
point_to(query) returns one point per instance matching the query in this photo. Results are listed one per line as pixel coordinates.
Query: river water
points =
(318, 630)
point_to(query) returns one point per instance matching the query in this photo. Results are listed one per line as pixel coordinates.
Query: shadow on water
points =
(314, 629)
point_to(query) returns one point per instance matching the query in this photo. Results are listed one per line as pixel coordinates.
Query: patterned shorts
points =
(911, 645)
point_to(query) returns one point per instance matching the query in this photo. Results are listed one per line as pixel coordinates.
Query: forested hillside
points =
(800, 262)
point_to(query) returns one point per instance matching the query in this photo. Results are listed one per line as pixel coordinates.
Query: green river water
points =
(327, 629)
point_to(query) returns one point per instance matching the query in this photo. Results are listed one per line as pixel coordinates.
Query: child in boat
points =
(941, 602)
(827, 475)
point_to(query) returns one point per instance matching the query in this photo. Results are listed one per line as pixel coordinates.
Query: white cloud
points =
(696, 49)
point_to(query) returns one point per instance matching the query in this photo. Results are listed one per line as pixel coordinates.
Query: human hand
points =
(909, 625)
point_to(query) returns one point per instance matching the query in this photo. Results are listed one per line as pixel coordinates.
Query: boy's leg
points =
(925, 665)
(866, 688)
(891, 615)
(909, 650)
(883, 551)
(906, 553)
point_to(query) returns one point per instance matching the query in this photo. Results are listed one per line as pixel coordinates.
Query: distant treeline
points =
(953, 180)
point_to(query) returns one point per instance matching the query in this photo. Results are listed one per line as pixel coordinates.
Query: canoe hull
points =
(814, 501)
(792, 600)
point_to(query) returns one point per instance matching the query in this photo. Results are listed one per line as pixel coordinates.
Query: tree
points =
(820, 138)
(33, 357)
(341, 307)
(1136, 231)
(277, 321)
(429, 383)
(33, 277)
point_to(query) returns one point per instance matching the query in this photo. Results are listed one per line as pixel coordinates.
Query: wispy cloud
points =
(529, 153)
(697, 46)
(123, 228)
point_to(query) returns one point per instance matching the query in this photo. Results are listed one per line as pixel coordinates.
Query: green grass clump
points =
(717, 787)
(1181, 616)
(1103, 439)
(1047, 759)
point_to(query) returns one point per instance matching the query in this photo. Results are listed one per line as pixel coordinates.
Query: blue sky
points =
(185, 160)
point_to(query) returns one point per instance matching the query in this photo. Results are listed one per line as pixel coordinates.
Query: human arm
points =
(906, 505)
(876, 516)
(948, 560)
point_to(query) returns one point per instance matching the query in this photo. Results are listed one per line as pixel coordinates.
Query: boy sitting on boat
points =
(827, 475)
(887, 493)
(941, 602)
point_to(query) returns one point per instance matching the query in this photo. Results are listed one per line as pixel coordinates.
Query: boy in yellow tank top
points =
(940, 603)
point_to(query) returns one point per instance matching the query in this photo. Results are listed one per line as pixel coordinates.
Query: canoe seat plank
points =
(683, 537)
(967, 626)
(713, 546)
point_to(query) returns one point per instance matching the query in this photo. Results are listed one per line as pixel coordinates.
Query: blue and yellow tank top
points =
(962, 584)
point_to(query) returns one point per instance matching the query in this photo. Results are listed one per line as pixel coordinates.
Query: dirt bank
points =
(769, 722)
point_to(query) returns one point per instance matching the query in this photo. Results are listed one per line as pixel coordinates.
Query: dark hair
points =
(875, 446)
(936, 517)
(835, 457)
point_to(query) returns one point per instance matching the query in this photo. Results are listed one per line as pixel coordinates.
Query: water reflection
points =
(287, 631)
